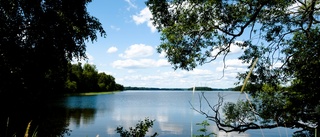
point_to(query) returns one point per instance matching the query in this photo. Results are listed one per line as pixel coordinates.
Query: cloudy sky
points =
(129, 51)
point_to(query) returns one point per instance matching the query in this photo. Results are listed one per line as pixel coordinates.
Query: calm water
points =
(99, 115)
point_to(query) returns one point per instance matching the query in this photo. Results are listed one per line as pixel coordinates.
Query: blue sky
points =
(129, 54)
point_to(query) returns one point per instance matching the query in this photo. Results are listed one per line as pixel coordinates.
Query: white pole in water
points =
(191, 127)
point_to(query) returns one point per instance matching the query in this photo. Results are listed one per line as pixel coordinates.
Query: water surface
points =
(99, 115)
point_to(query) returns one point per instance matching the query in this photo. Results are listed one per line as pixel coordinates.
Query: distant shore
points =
(186, 89)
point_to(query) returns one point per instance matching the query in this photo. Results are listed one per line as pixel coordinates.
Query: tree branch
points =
(246, 125)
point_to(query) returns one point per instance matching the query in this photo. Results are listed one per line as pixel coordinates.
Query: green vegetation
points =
(38, 40)
(87, 79)
(211, 89)
(140, 130)
(34, 134)
(281, 36)
(93, 93)
(265, 87)
(204, 129)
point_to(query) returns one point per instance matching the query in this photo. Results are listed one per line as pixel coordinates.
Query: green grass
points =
(94, 93)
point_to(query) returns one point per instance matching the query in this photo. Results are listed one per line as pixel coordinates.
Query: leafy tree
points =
(71, 85)
(38, 39)
(106, 82)
(85, 78)
(90, 77)
(140, 130)
(74, 81)
(273, 31)
(119, 87)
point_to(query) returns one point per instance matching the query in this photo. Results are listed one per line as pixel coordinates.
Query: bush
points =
(139, 131)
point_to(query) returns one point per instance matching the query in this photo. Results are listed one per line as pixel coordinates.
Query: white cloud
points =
(234, 65)
(293, 9)
(180, 79)
(107, 72)
(151, 78)
(128, 63)
(144, 16)
(200, 72)
(141, 63)
(162, 62)
(162, 54)
(277, 65)
(89, 59)
(114, 28)
(131, 71)
(112, 49)
(234, 49)
(131, 4)
(137, 51)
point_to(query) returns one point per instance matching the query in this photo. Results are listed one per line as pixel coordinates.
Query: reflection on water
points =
(232, 134)
(101, 114)
(81, 116)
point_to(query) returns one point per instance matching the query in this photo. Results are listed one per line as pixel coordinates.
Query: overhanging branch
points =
(245, 125)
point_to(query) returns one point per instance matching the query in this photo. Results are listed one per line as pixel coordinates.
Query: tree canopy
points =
(284, 32)
(86, 78)
(38, 39)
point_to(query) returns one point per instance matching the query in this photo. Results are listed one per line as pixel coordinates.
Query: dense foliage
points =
(37, 40)
(282, 34)
(85, 78)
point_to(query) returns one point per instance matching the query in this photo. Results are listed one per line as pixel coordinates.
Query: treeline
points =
(151, 88)
(85, 78)
(196, 88)
(211, 89)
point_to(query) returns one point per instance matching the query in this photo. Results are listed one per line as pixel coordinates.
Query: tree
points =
(90, 77)
(74, 81)
(38, 39)
(106, 82)
(273, 31)
(87, 79)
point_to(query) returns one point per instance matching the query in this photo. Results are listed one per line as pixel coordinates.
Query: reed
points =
(7, 127)
(35, 132)
(26, 134)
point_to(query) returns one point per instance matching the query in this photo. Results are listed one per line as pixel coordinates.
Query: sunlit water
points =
(99, 115)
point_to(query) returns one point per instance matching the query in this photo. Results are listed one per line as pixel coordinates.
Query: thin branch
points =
(241, 127)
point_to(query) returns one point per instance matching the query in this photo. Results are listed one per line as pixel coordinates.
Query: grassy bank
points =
(93, 93)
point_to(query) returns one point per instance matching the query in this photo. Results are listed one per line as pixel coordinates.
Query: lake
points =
(99, 115)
